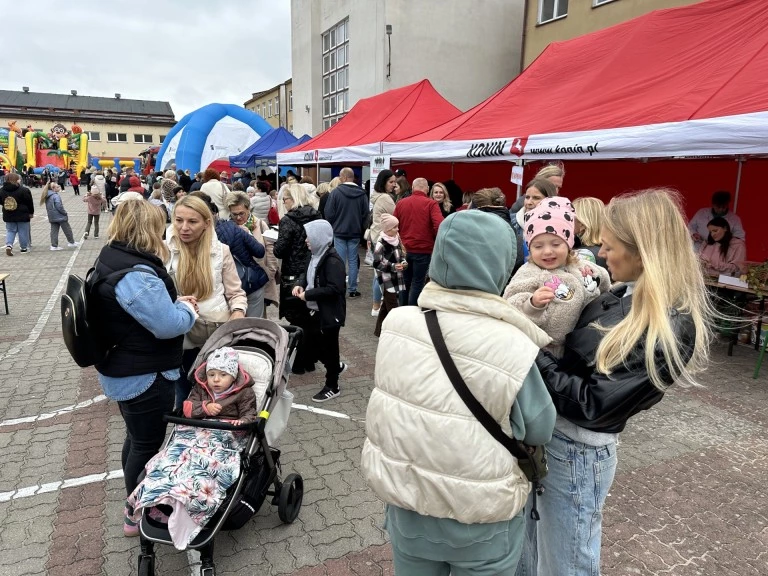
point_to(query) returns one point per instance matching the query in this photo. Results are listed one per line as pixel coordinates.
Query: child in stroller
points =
(230, 468)
(189, 478)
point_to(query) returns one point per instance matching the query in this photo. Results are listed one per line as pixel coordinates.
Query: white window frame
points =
(117, 139)
(290, 100)
(143, 139)
(277, 106)
(555, 11)
(91, 138)
(335, 72)
(596, 3)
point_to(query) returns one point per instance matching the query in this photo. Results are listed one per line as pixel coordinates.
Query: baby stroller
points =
(266, 350)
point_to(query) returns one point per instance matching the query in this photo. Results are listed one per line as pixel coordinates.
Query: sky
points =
(186, 52)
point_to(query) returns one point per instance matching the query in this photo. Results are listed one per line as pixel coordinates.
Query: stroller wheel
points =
(146, 565)
(291, 495)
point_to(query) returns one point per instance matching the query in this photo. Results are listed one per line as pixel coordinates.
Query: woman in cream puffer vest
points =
(454, 495)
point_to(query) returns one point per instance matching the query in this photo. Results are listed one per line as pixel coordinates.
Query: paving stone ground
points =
(690, 496)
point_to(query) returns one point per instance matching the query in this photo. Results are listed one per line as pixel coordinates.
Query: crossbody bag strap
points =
(477, 409)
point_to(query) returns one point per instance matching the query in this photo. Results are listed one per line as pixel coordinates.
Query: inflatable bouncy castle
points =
(213, 132)
(60, 147)
(11, 148)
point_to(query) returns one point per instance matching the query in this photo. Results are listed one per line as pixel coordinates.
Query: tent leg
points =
(452, 164)
(738, 185)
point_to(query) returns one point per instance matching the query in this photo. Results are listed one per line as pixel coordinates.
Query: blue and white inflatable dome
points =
(210, 133)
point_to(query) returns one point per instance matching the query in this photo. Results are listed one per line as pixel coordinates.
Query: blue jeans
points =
(376, 290)
(416, 276)
(566, 541)
(347, 249)
(144, 428)
(20, 228)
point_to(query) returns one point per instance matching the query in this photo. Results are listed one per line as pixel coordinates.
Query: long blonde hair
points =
(651, 225)
(590, 212)
(44, 195)
(446, 203)
(552, 169)
(194, 275)
(140, 225)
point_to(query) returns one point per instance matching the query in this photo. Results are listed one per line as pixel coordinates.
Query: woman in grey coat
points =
(57, 215)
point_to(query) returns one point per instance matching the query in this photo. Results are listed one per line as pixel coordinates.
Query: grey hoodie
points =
(320, 238)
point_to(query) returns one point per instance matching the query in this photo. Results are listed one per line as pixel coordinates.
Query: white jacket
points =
(424, 450)
(100, 183)
(218, 192)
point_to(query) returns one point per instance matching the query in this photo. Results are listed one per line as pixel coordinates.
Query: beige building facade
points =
(274, 105)
(549, 21)
(116, 127)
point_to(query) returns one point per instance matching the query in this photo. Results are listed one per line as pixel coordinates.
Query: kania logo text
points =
(578, 149)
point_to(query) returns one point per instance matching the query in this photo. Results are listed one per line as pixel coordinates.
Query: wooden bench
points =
(3, 276)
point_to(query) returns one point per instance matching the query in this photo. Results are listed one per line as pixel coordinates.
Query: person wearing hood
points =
(96, 201)
(347, 211)
(57, 215)
(291, 247)
(437, 511)
(18, 209)
(321, 288)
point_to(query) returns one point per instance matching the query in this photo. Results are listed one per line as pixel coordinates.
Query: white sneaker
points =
(375, 312)
(73, 244)
(54, 248)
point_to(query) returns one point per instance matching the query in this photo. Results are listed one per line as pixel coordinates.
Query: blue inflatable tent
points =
(210, 133)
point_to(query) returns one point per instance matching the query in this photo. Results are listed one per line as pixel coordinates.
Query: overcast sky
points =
(186, 52)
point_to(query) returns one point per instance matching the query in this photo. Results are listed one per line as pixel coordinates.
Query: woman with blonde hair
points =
(589, 223)
(439, 193)
(628, 347)
(202, 267)
(137, 312)
(323, 189)
(291, 247)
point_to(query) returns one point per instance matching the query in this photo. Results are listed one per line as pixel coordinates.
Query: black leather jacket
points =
(593, 400)
(291, 245)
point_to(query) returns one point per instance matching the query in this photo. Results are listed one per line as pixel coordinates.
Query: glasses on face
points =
(286, 200)
(239, 215)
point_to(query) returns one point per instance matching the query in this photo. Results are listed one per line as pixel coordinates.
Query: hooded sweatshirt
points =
(100, 183)
(347, 210)
(55, 207)
(17, 203)
(320, 238)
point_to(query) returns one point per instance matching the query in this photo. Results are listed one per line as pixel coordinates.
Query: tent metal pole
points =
(452, 170)
(738, 185)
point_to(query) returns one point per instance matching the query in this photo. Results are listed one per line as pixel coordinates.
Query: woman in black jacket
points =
(291, 247)
(654, 330)
(322, 288)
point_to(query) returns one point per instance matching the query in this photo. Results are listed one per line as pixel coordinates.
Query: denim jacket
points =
(144, 296)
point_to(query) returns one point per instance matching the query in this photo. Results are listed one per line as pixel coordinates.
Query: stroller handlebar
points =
(172, 418)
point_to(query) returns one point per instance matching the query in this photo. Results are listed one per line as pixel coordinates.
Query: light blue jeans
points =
(20, 228)
(347, 249)
(566, 541)
(376, 290)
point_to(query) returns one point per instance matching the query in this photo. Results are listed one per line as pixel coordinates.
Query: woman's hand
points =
(542, 297)
(298, 292)
(236, 314)
(190, 300)
(214, 408)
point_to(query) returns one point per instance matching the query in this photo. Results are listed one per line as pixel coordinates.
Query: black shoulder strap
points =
(474, 406)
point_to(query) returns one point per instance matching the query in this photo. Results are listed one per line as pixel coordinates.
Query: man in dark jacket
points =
(125, 181)
(419, 217)
(347, 209)
(18, 209)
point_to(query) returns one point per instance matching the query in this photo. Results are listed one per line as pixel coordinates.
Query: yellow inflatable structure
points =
(69, 150)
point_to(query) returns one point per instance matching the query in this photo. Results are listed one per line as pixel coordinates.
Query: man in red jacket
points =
(419, 217)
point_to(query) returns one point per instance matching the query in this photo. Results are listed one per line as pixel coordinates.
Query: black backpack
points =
(84, 346)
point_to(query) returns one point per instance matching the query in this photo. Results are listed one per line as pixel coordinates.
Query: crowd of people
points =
(563, 318)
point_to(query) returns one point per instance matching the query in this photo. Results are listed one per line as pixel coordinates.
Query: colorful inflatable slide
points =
(61, 148)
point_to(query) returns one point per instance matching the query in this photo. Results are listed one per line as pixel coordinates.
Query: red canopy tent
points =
(687, 81)
(393, 115)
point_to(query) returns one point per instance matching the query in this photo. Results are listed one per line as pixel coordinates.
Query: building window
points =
(600, 2)
(142, 138)
(162, 138)
(117, 137)
(335, 73)
(290, 100)
(93, 136)
(277, 106)
(552, 10)
(269, 105)
(258, 109)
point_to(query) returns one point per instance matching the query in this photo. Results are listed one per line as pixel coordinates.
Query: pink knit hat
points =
(552, 216)
(389, 222)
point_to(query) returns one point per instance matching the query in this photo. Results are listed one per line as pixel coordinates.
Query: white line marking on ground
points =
(54, 486)
(93, 478)
(49, 415)
(326, 412)
(50, 305)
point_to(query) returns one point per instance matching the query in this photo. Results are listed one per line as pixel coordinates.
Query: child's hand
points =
(213, 408)
(399, 267)
(542, 297)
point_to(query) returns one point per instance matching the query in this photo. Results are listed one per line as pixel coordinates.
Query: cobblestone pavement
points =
(690, 495)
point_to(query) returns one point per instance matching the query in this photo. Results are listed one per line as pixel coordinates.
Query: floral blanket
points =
(192, 475)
